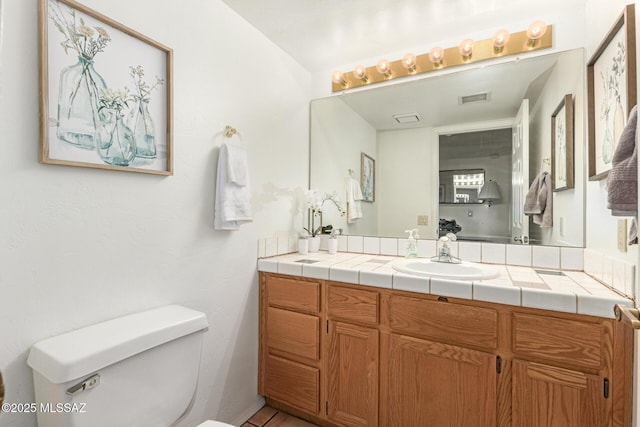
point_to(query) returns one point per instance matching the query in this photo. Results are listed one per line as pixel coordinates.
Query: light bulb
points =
(409, 62)
(466, 48)
(500, 39)
(436, 55)
(360, 73)
(535, 32)
(384, 67)
(338, 78)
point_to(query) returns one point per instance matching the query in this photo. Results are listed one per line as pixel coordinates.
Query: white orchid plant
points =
(315, 203)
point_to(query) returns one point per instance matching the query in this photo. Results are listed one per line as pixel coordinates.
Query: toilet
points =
(137, 370)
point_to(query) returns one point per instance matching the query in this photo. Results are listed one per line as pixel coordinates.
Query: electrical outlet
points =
(423, 219)
(561, 226)
(622, 235)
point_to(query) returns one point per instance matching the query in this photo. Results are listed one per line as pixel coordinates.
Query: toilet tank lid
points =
(81, 352)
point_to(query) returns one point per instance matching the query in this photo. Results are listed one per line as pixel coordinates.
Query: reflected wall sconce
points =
(500, 40)
(535, 32)
(360, 73)
(537, 36)
(436, 56)
(466, 49)
(489, 192)
(384, 67)
(409, 62)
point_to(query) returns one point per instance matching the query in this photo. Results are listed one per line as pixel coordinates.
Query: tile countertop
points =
(569, 291)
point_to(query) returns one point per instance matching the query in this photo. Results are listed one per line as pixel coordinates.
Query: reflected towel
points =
(539, 201)
(622, 181)
(353, 198)
(232, 201)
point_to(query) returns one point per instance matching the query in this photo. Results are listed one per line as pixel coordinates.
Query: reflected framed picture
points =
(367, 178)
(611, 92)
(562, 140)
(105, 92)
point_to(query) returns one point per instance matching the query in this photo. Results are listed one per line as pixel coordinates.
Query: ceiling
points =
(324, 34)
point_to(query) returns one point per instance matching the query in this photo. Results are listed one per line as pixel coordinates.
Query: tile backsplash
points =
(618, 274)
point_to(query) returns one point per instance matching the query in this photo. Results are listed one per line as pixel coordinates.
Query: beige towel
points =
(539, 201)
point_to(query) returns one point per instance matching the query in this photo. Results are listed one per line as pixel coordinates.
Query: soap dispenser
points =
(412, 243)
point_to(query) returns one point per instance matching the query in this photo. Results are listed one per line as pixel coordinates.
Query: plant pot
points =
(314, 244)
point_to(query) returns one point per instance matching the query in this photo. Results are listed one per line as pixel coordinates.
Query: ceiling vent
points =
(478, 97)
(407, 118)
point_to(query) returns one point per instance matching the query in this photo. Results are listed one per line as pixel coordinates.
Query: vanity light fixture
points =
(384, 67)
(535, 32)
(500, 40)
(337, 77)
(409, 62)
(539, 36)
(436, 55)
(466, 49)
(360, 73)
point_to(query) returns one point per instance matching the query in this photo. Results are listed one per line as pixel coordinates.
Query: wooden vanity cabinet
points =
(353, 356)
(348, 355)
(290, 359)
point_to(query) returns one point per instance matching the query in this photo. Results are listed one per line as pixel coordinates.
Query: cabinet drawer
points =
(293, 333)
(353, 304)
(559, 340)
(293, 383)
(294, 294)
(444, 321)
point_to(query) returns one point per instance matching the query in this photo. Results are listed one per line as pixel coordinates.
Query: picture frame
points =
(105, 92)
(562, 145)
(367, 177)
(611, 92)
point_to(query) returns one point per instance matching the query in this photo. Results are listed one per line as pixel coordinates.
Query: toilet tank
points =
(137, 370)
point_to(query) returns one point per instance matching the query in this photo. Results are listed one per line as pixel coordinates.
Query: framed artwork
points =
(611, 87)
(367, 177)
(562, 145)
(105, 93)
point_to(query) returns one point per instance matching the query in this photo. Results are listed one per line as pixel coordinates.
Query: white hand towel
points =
(237, 167)
(232, 201)
(353, 197)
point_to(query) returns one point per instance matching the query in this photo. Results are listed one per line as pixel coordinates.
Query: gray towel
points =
(622, 181)
(539, 201)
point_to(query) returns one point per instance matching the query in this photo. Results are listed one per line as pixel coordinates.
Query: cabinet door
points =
(434, 384)
(353, 375)
(548, 396)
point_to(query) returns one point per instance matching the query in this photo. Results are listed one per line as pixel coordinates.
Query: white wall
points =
(339, 136)
(83, 245)
(405, 181)
(601, 226)
(568, 205)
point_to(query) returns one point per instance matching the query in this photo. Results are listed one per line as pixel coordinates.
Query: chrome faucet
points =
(444, 250)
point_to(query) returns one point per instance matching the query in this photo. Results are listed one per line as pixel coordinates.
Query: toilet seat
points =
(211, 423)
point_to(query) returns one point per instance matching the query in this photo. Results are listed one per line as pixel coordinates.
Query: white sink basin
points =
(427, 268)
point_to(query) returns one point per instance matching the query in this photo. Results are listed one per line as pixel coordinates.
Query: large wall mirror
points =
(496, 119)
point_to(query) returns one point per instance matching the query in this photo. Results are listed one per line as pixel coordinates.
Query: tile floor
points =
(269, 417)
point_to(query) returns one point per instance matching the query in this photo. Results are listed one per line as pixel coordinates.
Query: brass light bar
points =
(483, 50)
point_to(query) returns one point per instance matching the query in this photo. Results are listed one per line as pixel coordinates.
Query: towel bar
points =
(629, 316)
